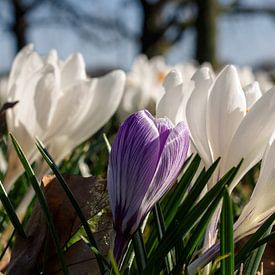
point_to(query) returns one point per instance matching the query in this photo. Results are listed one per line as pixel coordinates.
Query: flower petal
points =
(252, 135)
(133, 161)
(252, 94)
(170, 164)
(226, 108)
(73, 70)
(173, 103)
(261, 204)
(196, 113)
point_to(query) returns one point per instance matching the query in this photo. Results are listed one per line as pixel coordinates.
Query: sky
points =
(242, 40)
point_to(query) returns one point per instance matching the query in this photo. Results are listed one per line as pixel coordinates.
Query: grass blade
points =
(226, 235)
(43, 202)
(108, 145)
(253, 262)
(11, 212)
(175, 196)
(114, 268)
(254, 242)
(183, 223)
(100, 259)
(159, 221)
(140, 252)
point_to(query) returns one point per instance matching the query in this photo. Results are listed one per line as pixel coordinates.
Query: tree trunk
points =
(206, 32)
(19, 27)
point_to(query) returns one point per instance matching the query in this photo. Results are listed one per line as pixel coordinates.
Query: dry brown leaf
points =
(79, 258)
(3, 110)
(91, 195)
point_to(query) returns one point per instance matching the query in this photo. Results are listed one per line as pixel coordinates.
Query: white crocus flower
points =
(221, 125)
(220, 122)
(143, 84)
(57, 103)
(261, 204)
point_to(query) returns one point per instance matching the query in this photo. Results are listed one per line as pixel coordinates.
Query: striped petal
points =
(172, 158)
(133, 161)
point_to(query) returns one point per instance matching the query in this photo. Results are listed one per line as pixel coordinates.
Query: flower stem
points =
(140, 252)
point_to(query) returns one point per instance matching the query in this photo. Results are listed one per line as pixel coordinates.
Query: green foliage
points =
(226, 236)
(42, 200)
(175, 229)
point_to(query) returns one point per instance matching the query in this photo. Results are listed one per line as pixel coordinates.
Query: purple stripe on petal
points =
(133, 161)
(145, 160)
(171, 162)
(164, 126)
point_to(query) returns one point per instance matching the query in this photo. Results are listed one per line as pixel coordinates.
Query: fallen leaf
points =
(38, 250)
(3, 110)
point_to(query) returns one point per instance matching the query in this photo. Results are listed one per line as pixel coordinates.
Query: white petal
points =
(107, 94)
(226, 108)
(52, 57)
(173, 103)
(19, 60)
(252, 135)
(172, 80)
(261, 204)
(46, 94)
(252, 94)
(196, 113)
(72, 106)
(73, 70)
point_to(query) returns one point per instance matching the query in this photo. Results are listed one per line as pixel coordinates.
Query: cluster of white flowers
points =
(230, 114)
(58, 103)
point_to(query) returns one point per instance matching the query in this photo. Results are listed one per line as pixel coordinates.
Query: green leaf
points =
(197, 188)
(11, 212)
(253, 262)
(226, 235)
(108, 145)
(184, 222)
(173, 199)
(43, 202)
(170, 202)
(114, 269)
(254, 241)
(216, 262)
(140, 252)
(92, 243)
(160, 224)
(196, 236)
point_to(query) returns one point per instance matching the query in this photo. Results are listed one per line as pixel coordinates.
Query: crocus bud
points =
(145, 160)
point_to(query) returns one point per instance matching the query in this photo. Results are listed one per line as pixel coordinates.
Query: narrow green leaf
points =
(197, 188)
(108, 145)
(183, 223)
(226, 235)
(3, 252)
(140, 252)
(174, 198)
(196, 236)
(11, 212)
(114, 269)
(160, 224)
(254, 242)
(216, 262)
(264, 240)
(253, 262)
(92, 243)
(43, 202)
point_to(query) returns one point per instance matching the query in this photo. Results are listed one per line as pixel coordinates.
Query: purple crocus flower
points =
(145, 160)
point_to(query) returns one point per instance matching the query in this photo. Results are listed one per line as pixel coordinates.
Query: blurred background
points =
(110, 33)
